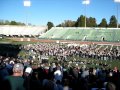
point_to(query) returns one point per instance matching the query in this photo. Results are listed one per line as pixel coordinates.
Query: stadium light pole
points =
(117, 1)
(27, 3)
(117, 17)
(85, 2)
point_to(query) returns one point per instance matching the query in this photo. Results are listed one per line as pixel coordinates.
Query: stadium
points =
(78, 47)
(61, 57)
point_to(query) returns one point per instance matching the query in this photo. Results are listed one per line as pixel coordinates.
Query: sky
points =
(42, 11)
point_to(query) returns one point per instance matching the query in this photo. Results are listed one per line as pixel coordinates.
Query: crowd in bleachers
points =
(19, 73)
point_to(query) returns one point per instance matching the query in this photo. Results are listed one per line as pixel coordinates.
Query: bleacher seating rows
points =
(10, 30)
(83, 34)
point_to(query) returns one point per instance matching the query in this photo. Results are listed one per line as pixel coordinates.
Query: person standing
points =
(15, 81)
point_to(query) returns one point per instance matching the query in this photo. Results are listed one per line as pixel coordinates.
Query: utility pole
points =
(117, 17)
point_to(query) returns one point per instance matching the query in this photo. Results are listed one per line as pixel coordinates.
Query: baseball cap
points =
(28, 70)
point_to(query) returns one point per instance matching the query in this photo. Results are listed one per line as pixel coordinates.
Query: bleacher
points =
(10, 30)
(83, 34)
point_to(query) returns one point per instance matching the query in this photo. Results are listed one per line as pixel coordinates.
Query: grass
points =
(22, 42)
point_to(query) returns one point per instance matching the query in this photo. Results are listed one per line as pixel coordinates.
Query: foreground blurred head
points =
(18, 69)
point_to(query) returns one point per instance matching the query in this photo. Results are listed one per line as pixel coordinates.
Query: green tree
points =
(80, 21)
(22, 24)
(59, 25)
(13, 23)
(91, 22)
(103, 23)
(113, 21)
(1, 22)
(67, 23)
(50, 25)
(6, 22)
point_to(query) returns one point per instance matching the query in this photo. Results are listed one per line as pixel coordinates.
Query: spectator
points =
(3, 72)
(15, 81)
(110, 86)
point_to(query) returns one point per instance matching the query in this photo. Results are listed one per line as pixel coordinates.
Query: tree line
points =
(80, 22)
(6, 22)
(90, 22)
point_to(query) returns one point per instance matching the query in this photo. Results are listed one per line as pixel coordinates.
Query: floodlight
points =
(27, 3)
(118, 1)
(86, 2)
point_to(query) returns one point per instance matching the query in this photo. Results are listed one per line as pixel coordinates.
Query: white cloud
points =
(86, 2)
(117, 1)
(27, 3)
